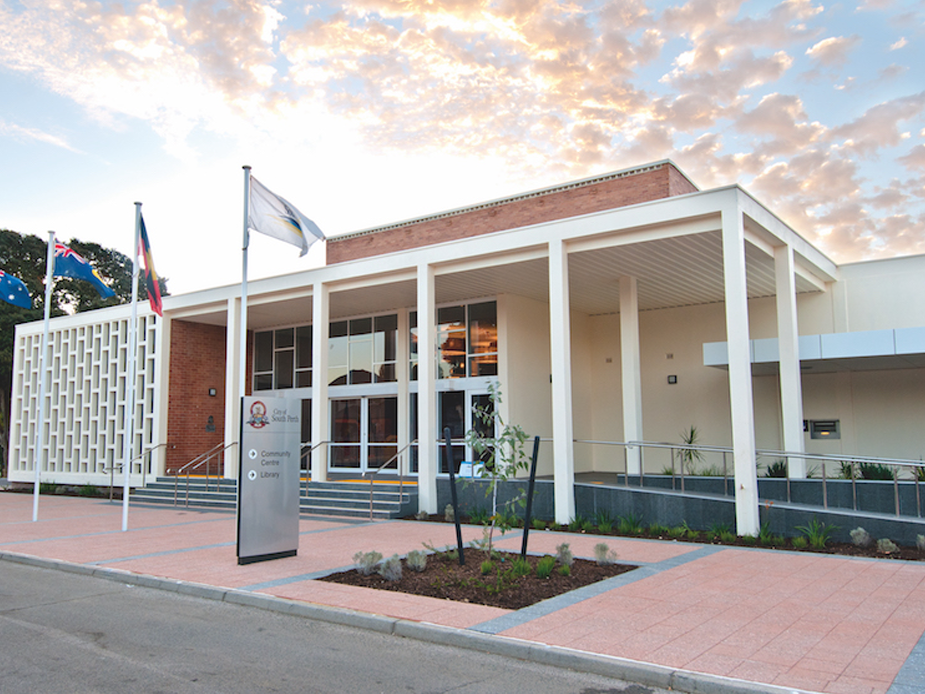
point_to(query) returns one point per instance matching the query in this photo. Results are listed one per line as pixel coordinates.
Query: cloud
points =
(833, 51)
(878, 127)
(21, 133)
(901, 43)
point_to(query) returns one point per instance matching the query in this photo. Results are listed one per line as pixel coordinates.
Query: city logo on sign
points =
(259, 418)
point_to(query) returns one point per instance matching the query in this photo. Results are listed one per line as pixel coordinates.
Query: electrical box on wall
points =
(824, 429)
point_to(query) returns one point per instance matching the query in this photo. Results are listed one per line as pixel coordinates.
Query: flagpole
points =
(40, 435)
(242, 355)
(128, 432)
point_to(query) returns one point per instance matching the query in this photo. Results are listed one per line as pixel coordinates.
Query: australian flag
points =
(13, 291)
(69, 263)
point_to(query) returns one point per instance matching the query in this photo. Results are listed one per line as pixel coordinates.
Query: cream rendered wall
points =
(885, 293)
(584, 380)
(525, 339)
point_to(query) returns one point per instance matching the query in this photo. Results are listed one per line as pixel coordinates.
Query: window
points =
(467, 341)
(363, 350)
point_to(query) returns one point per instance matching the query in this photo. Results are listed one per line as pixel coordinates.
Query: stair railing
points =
(401, 477)
(196, 463)
(144, 468)
(302, 457)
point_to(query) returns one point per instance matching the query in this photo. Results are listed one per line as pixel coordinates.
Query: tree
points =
(24, 256)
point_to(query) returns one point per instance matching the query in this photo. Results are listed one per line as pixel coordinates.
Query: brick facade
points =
(607, 192)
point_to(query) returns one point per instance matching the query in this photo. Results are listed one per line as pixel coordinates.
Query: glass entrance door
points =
(364, 433)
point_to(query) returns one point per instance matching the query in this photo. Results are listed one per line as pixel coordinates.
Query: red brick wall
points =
(197, 363)
(618, 192)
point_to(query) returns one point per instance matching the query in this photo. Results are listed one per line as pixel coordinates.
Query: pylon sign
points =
(268, 478)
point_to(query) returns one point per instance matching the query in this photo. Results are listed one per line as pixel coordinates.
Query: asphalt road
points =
(61, 632)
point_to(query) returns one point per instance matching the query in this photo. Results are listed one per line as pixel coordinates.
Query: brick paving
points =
(814, 622)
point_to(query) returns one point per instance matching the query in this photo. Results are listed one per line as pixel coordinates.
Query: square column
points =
(740, 371)
(631, 372)
(233, 387)
(321, 427)
(561, 359)
(427, 390)
(161, 399)
(403, 378)
(788, 340)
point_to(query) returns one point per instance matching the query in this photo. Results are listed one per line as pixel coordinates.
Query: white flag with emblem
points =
(270, 214)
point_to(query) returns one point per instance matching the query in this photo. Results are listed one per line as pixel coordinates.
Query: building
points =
(626, 307)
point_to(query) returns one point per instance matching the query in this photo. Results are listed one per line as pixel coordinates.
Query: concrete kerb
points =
(647, 674)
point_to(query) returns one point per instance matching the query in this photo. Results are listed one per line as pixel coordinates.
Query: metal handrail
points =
(401, 477)
(194, 464)
(302, 457)
(121, 466)
(917, 467)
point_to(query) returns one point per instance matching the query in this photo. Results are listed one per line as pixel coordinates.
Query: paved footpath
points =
(695, 618)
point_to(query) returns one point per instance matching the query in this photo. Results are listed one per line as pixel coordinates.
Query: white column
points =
(631, 371)
(561, 358)
(321, 427)
(232, 387)
(161, 401)
(427, 391)
(740, 372)
(788, 340)
(402, 378)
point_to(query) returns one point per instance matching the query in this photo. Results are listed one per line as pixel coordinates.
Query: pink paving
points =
(815, 622)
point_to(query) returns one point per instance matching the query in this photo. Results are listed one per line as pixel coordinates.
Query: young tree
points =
(24, 256)
(501, 449)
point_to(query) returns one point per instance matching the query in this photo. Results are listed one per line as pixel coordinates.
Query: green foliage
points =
(367, 562)
(690, 457)
(776, 469)
(564, 554)
(586, 526)
(87, 490)
(416, 560)
(47, 487)
(677, 532)
(718, 529)
(630, 524)
(565, 570)
(816, 533)
(875, 471)
(657, 530)
(545, 566)
(604, 555)
(390, 569)
(538, 524)
(574, 525)
(765, 536)
(486, 567)
(478, 516)
(521, 567)
(728, 537)
(749, 539)
(799, 542)
(690, 532)
(501, 447)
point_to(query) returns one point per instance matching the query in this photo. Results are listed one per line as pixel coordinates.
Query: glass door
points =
(364, 433)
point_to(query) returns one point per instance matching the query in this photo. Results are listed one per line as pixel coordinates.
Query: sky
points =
(366, 112)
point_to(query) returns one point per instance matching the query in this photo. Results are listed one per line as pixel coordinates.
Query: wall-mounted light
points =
(211, 392)
(672, 380)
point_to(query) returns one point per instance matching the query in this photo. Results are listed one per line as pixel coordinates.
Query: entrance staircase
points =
(348, 498)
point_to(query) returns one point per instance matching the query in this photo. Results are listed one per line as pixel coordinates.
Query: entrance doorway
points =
(364, 433)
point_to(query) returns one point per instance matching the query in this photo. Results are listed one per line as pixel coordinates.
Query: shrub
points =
(587, 526)
(765, 536)
(545, 566)
(887, 546)
(603, 517)
(366, 562)
(800, 543)
(521, 567)
(564, 554)
(816, 533)
(574, 525)
(875, 471)
(48, 487)
(538, 524)
(565, 570)
(920, 542)
(719, 529)
(604, 555)
(486, 567)
(657, 530)
(776, 469)
(87, 490)
(422, 515)
(749, 539)
(416, 560)
(677, 531)
(861, 538)
(478, 516)
(449, 513)
(727, 536)
(390, 569)
(630, 524)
